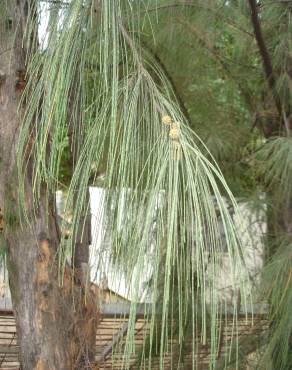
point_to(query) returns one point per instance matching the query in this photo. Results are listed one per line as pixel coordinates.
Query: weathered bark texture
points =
(56, 325)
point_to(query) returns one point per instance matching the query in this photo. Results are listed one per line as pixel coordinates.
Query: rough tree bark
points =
(53, 332)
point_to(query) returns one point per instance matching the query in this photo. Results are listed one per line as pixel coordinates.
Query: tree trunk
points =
(265, 56)
(56, 326)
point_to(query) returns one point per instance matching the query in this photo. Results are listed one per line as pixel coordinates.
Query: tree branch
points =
(266, 59)
(161, 65)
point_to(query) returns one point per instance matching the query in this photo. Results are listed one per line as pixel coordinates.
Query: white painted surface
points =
(252, 226)
(250, 223)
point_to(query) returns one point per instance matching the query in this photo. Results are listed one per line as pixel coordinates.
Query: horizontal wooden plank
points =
(110, 339)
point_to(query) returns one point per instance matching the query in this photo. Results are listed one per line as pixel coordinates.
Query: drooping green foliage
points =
(96, 82)
(275, 166)
(108, 74)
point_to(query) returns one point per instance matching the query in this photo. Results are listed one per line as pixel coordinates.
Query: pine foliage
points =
(96, 81)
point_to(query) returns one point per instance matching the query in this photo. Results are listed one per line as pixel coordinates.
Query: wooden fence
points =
(110, 340)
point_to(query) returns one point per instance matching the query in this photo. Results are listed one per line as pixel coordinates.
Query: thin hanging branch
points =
(175, 89)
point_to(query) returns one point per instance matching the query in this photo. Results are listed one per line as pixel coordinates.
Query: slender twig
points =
(177, 95)
(137, 58)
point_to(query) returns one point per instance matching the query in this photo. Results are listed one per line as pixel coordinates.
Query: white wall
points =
(250, 223)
